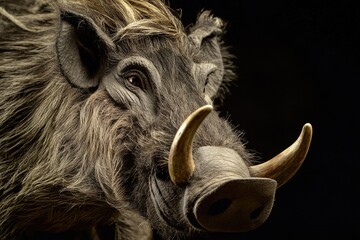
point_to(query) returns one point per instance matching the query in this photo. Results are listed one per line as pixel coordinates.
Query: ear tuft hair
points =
(206, 38)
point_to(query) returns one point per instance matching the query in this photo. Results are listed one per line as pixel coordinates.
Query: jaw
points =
(167, 201)
(167, 217)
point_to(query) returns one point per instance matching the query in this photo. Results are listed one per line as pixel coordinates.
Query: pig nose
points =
(236, 206)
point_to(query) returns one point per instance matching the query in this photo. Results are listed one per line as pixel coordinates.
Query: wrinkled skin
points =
(88, 118)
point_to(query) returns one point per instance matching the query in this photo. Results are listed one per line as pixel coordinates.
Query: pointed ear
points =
(205, 37)
(82, 49)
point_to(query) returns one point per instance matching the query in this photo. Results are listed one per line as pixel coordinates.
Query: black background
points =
(297, 63)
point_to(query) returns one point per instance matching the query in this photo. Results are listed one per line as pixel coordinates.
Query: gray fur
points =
(77, 150)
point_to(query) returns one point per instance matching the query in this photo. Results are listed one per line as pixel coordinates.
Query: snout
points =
(223, 197)
(223, 193)
(234, 206)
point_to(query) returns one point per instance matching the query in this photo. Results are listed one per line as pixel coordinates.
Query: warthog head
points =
(107, 110)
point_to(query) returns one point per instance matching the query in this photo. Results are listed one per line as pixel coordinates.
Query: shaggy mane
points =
(130, 18)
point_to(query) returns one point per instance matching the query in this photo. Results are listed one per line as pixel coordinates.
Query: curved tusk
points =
(181, 164)
(284, 165)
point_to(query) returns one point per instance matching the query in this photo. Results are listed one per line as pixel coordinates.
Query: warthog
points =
(108, 128)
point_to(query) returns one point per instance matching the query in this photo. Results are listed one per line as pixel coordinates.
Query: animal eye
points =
(135, 78)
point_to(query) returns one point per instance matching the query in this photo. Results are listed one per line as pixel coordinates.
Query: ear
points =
(205, 37)
(82, 49)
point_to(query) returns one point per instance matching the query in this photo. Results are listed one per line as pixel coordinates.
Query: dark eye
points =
(135, 78)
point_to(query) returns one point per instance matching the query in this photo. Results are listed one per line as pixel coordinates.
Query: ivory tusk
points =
(181, 164)
(284, 165)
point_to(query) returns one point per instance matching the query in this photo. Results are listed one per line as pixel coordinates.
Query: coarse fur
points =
(75, 161)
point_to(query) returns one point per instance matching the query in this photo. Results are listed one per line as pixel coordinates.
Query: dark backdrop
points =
(296, 63)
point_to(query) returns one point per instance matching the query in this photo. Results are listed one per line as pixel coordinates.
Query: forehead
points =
(163, 52)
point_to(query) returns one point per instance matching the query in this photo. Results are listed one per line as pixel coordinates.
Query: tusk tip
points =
(206, 108)
(284, 165)
(307, 127)
(307, 131)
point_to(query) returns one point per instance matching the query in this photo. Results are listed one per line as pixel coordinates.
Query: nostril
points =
(219, 207)
(238, 205)
(256, 213)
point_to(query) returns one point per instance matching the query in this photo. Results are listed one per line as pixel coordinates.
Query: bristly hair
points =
(40, 112)
(129, 18)
(227, 58)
